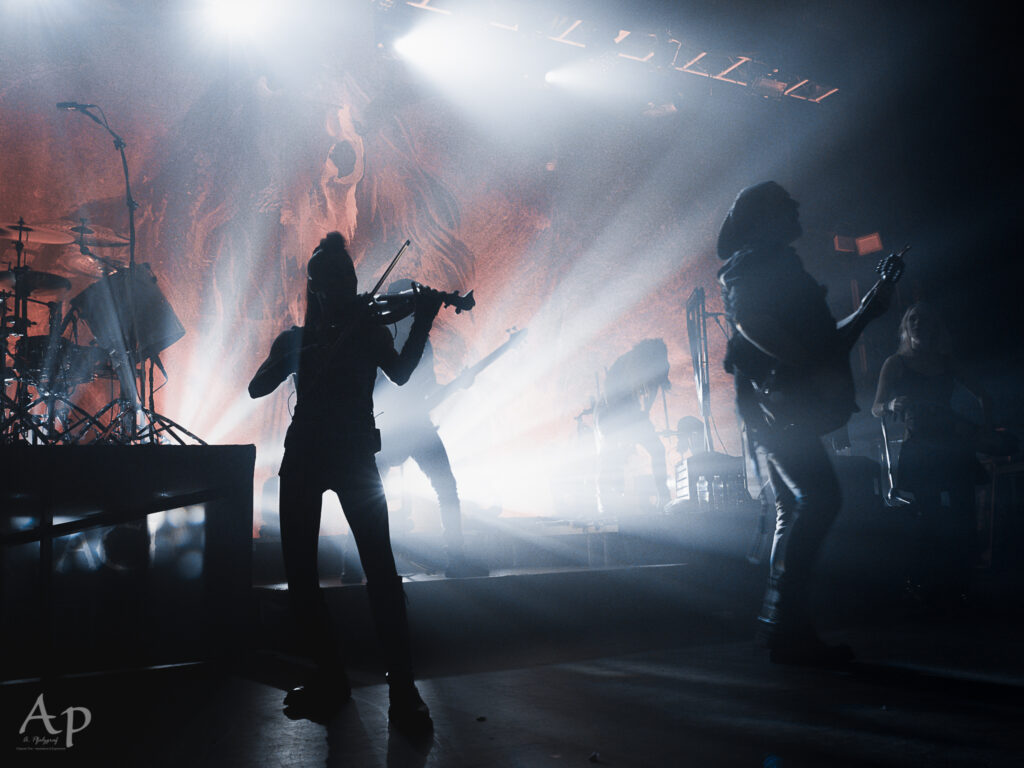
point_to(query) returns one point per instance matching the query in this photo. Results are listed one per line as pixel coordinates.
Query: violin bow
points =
(332, 350)
(391, 266)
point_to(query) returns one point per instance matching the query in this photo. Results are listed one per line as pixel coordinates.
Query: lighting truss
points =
(657, 49)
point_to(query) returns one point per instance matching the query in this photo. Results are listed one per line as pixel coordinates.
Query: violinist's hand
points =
(428, 301)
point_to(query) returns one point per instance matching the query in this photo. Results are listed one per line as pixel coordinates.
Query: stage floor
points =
(920, 695)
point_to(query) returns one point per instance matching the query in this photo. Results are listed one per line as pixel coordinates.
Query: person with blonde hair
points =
(937, 464)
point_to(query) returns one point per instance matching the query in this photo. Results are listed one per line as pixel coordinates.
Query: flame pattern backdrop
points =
(590, 229)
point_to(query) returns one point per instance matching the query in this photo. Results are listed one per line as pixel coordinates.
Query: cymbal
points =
(35, 234)
(94, 243)
(35, 282)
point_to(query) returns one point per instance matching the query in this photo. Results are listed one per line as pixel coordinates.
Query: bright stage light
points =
(473, 65)
(239, 19)
(48, 12)
(445, 50)
(600, 79)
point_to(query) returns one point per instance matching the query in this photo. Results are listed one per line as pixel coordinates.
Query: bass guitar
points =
(821, 396)
(466, 377)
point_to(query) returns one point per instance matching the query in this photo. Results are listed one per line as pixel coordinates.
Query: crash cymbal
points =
(33, 281)
(30, 235)
(81, 229)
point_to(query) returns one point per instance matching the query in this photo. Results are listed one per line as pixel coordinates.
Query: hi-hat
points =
(35, 235)
(107, 238)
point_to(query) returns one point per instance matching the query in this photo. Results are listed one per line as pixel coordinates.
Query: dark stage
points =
(166, 171)
(605, 683)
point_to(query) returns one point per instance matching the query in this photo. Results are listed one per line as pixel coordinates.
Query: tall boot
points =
(387, 605)
(459, 566)
(327, 688)
(786, 630)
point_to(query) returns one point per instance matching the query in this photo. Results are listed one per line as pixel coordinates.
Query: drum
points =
(105, 308)
(57, 363)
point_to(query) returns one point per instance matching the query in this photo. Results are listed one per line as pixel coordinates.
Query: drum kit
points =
(130, 322)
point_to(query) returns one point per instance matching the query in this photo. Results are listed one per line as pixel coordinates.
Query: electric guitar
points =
(466, 377)
(821, 396)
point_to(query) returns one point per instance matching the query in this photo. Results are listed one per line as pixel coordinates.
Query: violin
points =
(389, 308)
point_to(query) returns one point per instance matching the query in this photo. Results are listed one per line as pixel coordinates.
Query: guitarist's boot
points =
(784, 628)
(459, 566)
(803, 647)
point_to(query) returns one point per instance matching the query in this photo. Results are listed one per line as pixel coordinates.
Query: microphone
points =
(70, 105)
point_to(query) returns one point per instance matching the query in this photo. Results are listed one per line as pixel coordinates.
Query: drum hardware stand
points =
(15, 420)
(19, 423)
(132, 421)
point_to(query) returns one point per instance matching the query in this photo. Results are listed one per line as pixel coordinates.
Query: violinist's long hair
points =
(331, 278)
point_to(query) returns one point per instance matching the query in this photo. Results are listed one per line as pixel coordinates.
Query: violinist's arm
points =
(276, 368)
(399, 365)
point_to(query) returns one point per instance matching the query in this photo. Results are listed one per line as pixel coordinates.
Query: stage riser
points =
(126, 587)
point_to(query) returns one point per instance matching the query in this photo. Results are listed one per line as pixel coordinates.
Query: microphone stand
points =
(128, 423)
(128, 360)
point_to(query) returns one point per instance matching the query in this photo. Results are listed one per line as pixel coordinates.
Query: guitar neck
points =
(438, 396)
(891, 269)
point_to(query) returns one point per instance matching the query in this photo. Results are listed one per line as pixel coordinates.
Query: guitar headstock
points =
(890, 269)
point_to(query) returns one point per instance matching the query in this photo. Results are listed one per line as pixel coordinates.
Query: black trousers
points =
(942, 476)
(421, 443)
(807, 501)
(356, 481)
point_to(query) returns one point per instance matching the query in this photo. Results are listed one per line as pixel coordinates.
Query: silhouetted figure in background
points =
(690, 436)
(623, 422)
(331, 444)
(938, 462)
(781, 322)
(408, 433)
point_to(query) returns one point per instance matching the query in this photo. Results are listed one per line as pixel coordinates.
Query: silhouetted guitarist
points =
(790, 362)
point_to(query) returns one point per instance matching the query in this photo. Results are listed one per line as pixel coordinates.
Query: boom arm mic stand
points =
(134, 421)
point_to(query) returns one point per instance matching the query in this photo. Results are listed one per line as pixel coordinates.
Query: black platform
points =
(92, 575)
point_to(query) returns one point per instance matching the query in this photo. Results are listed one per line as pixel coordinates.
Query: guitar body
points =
(822, 396)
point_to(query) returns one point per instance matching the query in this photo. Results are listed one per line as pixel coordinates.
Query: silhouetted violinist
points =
(331, 444)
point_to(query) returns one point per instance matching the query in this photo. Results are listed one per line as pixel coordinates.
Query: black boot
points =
(327, 688)
(324, 692)
(785, 629)
(808, 650)
(407, 712)
(460, 567)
